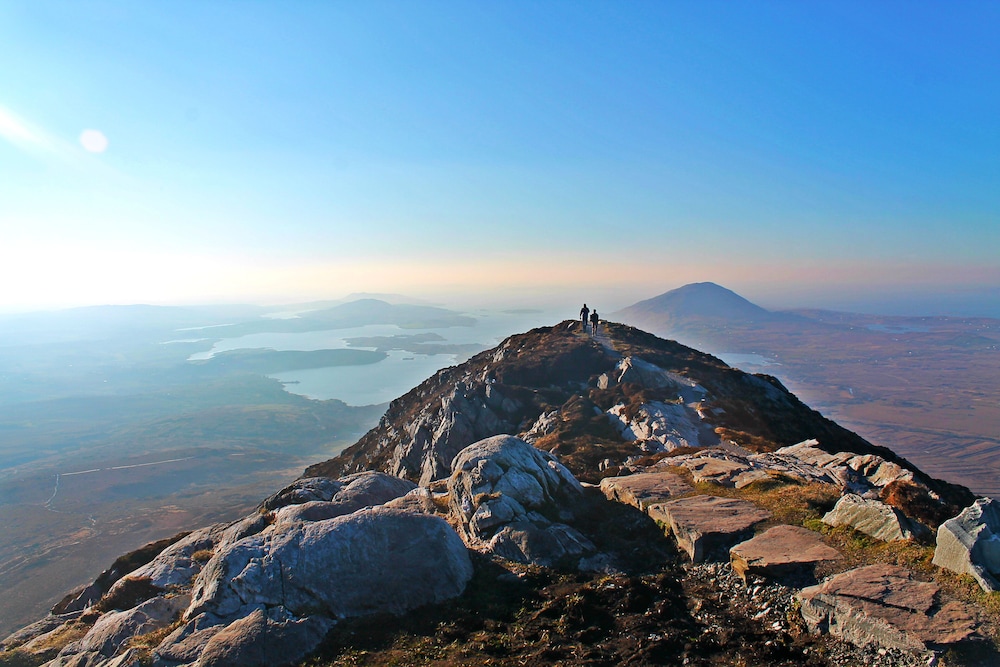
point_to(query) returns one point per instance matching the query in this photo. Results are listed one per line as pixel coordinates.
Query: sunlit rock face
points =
(508, 498)
(970, 543)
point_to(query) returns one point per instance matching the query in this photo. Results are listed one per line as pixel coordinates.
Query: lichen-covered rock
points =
(872, 517)
(883, 605)
(506, 497)
(970, 543)
(374, 560)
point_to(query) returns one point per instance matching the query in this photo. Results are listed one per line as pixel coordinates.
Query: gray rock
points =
(363, 489)
(114, 628)
(261, 639)
(660, 427)
(858, 470)
(504, 484)
(39, 628)
(651, 376)
(374, 560)
(528, 542)
(501, 490)
(872, 517)
(546, 423)
(707, 526)
(420, 500)
(644, 489)
(304, 490)
(185, 644)
(174, 567)
(970, 543)
(883, 605)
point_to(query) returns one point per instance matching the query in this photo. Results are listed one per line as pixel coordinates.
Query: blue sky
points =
(800, 153)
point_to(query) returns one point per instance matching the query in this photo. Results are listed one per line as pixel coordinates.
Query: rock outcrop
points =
(970, 543)
(508, 498)
(662, 427)
(883, 605)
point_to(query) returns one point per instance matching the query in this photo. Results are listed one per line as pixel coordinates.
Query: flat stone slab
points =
(645, 488)
(780, 552)
(883, 605)
(707, 526)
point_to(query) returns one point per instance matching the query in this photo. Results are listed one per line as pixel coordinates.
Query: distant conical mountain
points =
(696, 301)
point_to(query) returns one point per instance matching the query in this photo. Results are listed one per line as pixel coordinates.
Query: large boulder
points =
(873, 517)
(970, 543)
(374, 560)
(707, 526)
(883, 605)
(509, 498)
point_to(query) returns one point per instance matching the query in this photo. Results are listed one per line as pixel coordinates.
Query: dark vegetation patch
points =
(130, 593)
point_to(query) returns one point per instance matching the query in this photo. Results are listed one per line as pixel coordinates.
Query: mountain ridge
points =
(512, 509)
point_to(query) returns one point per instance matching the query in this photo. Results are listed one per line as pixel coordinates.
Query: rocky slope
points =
(567, 499)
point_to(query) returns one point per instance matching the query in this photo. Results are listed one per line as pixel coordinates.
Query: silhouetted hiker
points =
(583, 316)
(593, 323)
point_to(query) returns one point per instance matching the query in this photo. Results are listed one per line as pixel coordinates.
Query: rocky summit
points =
(566, 499)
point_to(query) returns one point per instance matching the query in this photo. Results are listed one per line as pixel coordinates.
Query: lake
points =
(395, 375)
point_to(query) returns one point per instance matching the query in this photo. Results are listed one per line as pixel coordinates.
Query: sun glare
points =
(93, 141)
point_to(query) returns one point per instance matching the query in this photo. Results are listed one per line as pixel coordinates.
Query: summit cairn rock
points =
(707, 526)
(645, 488)
(883, 605)
(970, 543)
(781, 551)
(872, 517)
(508, 498)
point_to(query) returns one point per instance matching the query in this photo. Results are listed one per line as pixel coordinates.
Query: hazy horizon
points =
(821, 155)
(957, 303)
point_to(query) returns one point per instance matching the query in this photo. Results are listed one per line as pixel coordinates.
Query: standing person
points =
(583, 316)
(593, 323)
